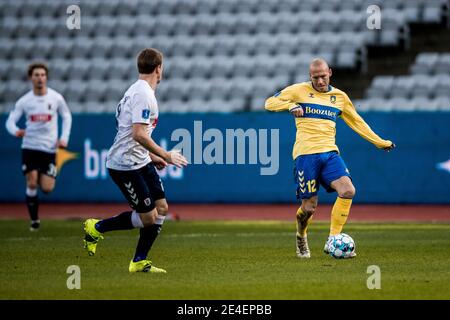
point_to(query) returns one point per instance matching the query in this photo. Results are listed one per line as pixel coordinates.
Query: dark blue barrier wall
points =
(411, 173)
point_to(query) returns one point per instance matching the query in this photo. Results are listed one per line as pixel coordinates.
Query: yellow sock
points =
(302, 222)
(339, 215)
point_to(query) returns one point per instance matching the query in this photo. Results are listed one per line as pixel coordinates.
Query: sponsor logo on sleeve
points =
(145, 114)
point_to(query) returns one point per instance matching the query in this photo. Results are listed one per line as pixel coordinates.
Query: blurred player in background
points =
(41, 107)
(316, 106)
(131, 163)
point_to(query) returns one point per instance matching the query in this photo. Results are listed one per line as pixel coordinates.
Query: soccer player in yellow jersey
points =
(316, 106)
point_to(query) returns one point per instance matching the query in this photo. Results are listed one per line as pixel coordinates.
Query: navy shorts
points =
(41, 161)
(313, 170)
(141, 187)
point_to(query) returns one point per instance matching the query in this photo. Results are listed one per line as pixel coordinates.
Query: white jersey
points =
(138, 105)
(41, 127)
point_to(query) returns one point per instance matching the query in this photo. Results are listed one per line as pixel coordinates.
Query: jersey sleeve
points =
(140, 109)
(357, 123)
(66, 116)
(14, 116)
(286, 99)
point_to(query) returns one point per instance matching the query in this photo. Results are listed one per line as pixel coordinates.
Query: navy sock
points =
(33, 207)
(119, 222)
(147, 237)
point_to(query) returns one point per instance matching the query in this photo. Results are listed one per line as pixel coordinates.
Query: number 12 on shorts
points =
(311, 185)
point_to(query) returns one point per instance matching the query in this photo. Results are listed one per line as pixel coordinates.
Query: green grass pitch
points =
(226, 260)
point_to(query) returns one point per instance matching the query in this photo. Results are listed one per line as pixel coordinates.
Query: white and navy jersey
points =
(138, 105)
(41, 127)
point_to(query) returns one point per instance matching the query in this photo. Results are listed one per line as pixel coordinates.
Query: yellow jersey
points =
(316, 129)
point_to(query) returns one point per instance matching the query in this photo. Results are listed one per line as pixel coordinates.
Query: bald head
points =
(320, 74)
(318, 62)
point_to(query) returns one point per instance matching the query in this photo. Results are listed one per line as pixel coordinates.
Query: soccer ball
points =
(341, 246)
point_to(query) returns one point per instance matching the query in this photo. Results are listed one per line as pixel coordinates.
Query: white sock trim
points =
(136, 220)
(31, 192)
(160, 219)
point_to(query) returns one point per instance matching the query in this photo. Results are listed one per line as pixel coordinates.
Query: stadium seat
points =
(352, 5)
(117, 70)
(197, 105)
(23, 49)
(443, 66)
(403, 86)
(389, 37)
(329, 20)
(167, 7)
(219, 88)
(97, 107)
(442, 87)
(95, 91)
(6, 49)
(204, 25)
(242, 66)
(424, 104)
(432, 12)
(347, 59)
(385, 105)
(411, 10)
(61, 69)
(4, 71)
(99, 68)
(58, 85)
(115, 89)
(266, 24)
(184, 26)
(185, 7)
(205, 7)
(362, 105)
(425, 63)
(223, 68)
(62, 49)
(175, 106)
(10, 9)
(18, 70)
(16, 89)
(308, 5)
(380, 87)
(424, 86)
(128, 8)
(442, 103)
(199, 89)
(257, 104)
(201, 68)
(125, 26)
(241, 88)
(165, 24)
(402, 104)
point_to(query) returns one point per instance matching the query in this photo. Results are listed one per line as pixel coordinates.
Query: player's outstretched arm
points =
(159, 162)
(357, 123)
(141, 136)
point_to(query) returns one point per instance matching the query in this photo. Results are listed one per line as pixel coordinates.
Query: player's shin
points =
(123, 221)
(32, 201)
(339, 214)
(147, 237)
(303, 221)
